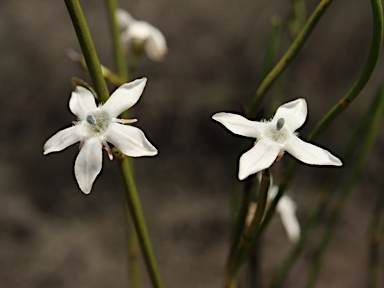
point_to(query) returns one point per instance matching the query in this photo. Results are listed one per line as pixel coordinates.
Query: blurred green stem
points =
(376, 43)
(247, 240)
(88, 49)
(288, 56)
(346, 192)
(120, 59)
(376, 235)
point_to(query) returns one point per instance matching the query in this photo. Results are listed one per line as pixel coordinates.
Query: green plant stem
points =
(87, 47)
(246, 242)
(325, 195)
(376, 43)
(287, 58)
(376, 233)
(346, 192)
(120, 59)
(133, 255)
(139, 222)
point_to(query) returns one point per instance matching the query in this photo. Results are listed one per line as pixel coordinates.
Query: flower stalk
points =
(88, 48)
(246, 242)
(287, 58)
(346, 192)
(118, 49)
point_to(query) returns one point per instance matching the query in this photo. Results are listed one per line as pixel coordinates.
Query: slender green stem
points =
(325, 195)
(298, 15)
(376, 233)
(87, 47)
(242, 213)
(346, 192)
(139, 222)
(133, 256)
(118, 48)
(287, 58)
(376, 43)
(319, 129)
(246, 242)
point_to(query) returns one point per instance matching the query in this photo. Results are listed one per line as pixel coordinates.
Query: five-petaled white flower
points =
(141, 34)
(98, 125)
(274, 137)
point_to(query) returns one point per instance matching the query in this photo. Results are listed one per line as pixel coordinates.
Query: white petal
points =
(130, 140)
(259, 157)
(62, 140)
(309, 153)
(294, 113)
(123, 19)
(88, 164)
(156, 46)
(82, 102)
(287, 210)
(239, 125)
(124, 97)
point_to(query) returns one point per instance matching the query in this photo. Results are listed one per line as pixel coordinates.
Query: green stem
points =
(87, 47)
(287, 58)
(246, 242)
(346, 192)
(325, 196)
(139, 222)
(133, 257)
(120, 59)
(376, 43)
(319, 129)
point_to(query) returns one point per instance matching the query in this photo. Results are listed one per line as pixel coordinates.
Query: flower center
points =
(278, 132)
(98, 122)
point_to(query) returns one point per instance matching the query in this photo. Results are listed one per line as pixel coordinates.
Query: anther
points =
(91, 120)
(280, 124)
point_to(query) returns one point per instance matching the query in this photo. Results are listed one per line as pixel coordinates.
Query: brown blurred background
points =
(51, 235)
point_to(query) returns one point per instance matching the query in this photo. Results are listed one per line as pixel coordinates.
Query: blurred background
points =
(52, 235)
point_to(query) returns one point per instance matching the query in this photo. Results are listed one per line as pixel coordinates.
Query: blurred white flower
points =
(98, 125)
(286, 208)
(274, 137)
(141, 34)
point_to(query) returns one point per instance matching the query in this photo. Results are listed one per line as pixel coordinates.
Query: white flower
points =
(141, 34)
(98, 125)
(274, 137)
(286, 208)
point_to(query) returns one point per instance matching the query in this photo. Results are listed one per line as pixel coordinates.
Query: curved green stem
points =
(135, 209)
(367, 145)
(376, 43)
(87, 47)
(289, 55)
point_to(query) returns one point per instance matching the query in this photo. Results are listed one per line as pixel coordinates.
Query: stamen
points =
(91, 120)
(280, 124)
(124, 121)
